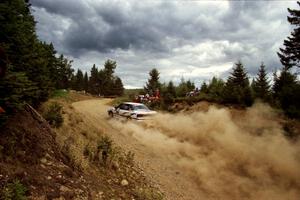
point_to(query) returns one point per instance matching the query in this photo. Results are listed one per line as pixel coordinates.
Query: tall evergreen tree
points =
(171, 90)
(33, 71)
(93, 81)
(79, 82)
(286, 91)
(62, 74)
(260, 85)
(204, 88)
(153, 82)
(106, 77)
(168, 94)
(85, 82)
(190, 85)
(26, 54)
(184, 87)
(237, 88)
(118, 88)
(215, 88)
(290, 54)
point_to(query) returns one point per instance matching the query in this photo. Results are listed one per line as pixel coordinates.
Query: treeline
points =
(100, 82)
(283, 92)
(30, 70)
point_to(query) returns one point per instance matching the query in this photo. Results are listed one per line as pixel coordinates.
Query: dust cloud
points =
(229, 154)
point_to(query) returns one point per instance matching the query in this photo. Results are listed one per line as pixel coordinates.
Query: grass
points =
(148, 194)
(60, 93)
(13, 191)
(53, 114)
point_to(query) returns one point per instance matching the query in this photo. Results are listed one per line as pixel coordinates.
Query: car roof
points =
(133, 103)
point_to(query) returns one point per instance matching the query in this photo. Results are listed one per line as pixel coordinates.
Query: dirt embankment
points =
(218, 153)
(31, 155)
(65, 163)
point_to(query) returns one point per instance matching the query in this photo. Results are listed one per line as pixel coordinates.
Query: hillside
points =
(40, 162)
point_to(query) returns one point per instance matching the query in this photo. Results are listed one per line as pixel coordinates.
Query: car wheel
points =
(111, 114)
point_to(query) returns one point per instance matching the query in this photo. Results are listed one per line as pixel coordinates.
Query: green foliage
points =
(289, 55)
(204, 88)
(184, 87)
(104, 82)
(86, 82)
(261, 86)
(15, 90)
(148, 194)
(216, 89)
(237, 89)
(104, 148)
(34, 70)
(153, 83)
(53, 115)
(94, 81)
(59, 93)
(168, 94)
(62, 72)
(118, 88)
(78, 81)
(13, 191)
(286, 91)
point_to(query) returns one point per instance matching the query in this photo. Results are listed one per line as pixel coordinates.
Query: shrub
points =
(14, 190)
(148, 194)
(54, 115)
(104, 148)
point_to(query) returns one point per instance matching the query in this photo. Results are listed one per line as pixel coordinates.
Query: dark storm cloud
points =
(170, 35)
(103, 27)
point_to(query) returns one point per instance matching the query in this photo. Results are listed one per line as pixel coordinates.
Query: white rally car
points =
(131, 110)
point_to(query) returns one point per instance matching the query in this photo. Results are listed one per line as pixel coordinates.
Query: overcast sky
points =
(194, 39)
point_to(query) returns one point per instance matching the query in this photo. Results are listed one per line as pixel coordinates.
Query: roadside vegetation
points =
(14, 190)
(90, 150)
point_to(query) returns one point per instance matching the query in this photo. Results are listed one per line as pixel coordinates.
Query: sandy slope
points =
(161, 167)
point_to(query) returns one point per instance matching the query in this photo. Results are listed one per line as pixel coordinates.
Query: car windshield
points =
(140, 107)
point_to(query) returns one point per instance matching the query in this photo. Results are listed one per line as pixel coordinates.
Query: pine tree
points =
(24, 51)
(286, 91)
(215, 88)
(290, 54)
(33, 71)
(93, 81)
(106, 77)
(153, 82)
(168, 94)
(190, 85)
(204, 88)
(260, 85)
(63, 72)
(182, 88)
(171, 89)
(118, 87)
(85, 82)
(79, 82)
(237, 88)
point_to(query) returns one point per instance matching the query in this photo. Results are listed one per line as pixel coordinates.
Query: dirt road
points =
(221, 153)
(161, 167)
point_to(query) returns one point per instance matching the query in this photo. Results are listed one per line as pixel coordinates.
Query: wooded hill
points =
(31, 69)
